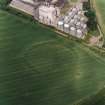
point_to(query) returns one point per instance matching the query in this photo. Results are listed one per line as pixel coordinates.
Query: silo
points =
(60, 25)
(84, 28)
(72, 23)
(76, 17)
(66, 19)
(78, 9)
(82, 25)
(71, 14)
(66, 28)
(73, 31)
(79, 18)
(78, 25)
(79, 33)
(74, 10)
(83, 20)
(69, 19)
(75, 21)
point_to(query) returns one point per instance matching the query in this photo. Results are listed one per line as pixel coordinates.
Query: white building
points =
(23, 5)
(73, 23)
(49, 14)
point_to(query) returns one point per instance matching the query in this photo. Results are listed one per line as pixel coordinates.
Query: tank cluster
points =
(73, 22)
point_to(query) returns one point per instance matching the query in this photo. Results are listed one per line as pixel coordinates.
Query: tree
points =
(92, 23)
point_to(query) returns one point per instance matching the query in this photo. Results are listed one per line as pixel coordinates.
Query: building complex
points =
(73, 22)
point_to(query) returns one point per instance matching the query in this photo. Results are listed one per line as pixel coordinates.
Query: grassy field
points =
(100, 8)
(37, 67)
(97, 99)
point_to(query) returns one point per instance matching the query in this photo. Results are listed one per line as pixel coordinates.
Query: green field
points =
(96, 99)
(100, 8)
(38, 67)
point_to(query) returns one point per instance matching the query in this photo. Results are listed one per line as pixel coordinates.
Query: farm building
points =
(26, 6)
(72, 22)
(42, 11)
(48, 14)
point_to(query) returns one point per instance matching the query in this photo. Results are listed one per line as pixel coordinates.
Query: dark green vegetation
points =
(90, 14)
(92, 22)
(37, 67)
(98, 99)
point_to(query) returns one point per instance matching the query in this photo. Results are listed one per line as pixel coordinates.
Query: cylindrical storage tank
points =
(75, 21)
(66, 28)
(70, 14)
(82, 25)
(60, 25)
(85, 28)
(66, 19)
(76, 17)
(78, 9)
(73, 31)
(79, 18)
(78, 25)
(74, 10)
(72, 22)
(83, 20)
(79, 33)
(69, 19)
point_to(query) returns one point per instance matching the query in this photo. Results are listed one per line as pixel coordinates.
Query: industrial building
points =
(48, 14)
(73, 22)
(26, 6)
